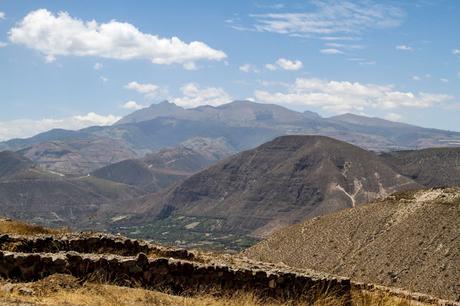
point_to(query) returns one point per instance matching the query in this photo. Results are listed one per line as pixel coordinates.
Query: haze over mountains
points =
(241, 124)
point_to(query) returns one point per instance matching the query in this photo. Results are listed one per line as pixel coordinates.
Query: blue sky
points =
(77, 63)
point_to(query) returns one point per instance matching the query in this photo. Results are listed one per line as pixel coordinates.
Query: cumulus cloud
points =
(2, 15)
(456, 52)
(342, 96)
(288, 64)
(248, 68)
(332, 17)
(20, 128)
(331, 51)
(132, 105)
(147, 89)
(2, 44)
(271, 67)
(285, 64)
(403, 48)
(394, 117)
(62, 35)
(194, 95)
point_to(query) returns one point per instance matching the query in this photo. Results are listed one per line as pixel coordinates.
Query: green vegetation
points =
(188, 232)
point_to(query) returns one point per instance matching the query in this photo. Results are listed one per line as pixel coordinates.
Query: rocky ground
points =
(55, 267)
(409, 240)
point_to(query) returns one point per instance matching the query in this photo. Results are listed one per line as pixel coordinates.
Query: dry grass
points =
(12, 227)
(67, 290)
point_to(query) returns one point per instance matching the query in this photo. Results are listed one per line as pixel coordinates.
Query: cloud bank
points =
(194, 95)
(63, 35)
(21, 128)
(342, 96)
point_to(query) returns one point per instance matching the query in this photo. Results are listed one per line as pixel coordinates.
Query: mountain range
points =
(241, 124)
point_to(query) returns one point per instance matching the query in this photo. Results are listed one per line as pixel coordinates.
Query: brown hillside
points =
(410, 240)
(282, 182)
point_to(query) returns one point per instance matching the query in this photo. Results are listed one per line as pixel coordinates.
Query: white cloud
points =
(342, 96)
(133, 105)
(394, 117)
(285, 64)
(444, 80)
(288, 64)
(456, 52)
(416, 78)
(335, 45)
(248, 68)
(98, 66)
(338, 38)
(190, 66)
(403, 48)
(194, 95)
(104, 79)
(2, 15)
(332, 17)
(362, 61)
(271, 67)
(331, 51)
(145, 88)
(149, 90)
(2, 44)
(63, 35)
(20, 128)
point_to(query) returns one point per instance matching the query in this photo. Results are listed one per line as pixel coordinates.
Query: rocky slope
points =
(409, 240)
(30, 193)
(430, 167)
(282, 182)
(78, 156)
(160, 170)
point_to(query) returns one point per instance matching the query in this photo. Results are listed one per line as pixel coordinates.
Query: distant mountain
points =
(12, 163)
(159, 170)
(409, 240)
(78, 156)
(282, 182)
(435, 167)
(237, 113)
(369, 121)
(242, 124)
(30, 193)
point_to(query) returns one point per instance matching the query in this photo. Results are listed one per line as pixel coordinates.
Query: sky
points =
(72, 64)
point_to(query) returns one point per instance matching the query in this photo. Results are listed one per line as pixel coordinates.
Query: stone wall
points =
(122, 261)
(177, 276)
(94, 244)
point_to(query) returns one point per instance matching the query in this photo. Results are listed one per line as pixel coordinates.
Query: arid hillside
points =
(434, 167)
(409, 240)
(42, 266)
(281, 182)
